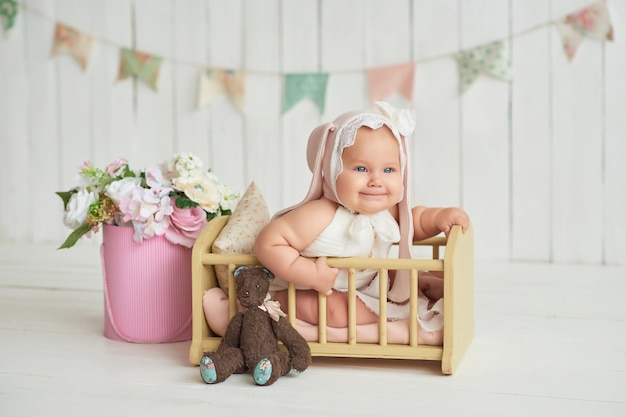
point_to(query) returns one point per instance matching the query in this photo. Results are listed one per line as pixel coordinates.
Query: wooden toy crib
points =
(456, 264)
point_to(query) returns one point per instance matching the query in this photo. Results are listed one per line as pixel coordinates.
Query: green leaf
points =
(75, 235)
(184, 202)
(65, 196)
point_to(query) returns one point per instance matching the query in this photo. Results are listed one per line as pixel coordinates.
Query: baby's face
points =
(371, 179)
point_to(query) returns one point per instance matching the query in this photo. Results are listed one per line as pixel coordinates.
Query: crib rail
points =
(456, 264)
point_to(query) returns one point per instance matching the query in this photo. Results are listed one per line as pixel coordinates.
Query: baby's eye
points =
(388, 170)
(361, 169)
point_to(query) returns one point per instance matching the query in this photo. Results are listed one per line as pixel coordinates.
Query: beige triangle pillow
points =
(239, 234)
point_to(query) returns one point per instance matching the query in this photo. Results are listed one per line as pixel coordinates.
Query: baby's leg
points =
(431, 284)
(215, 305)
(336, 308)
(397, 333)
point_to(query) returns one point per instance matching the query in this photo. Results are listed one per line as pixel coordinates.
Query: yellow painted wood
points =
(351, 306)
(458, 302)
(413, 327)
(321, 326)
(457, 265)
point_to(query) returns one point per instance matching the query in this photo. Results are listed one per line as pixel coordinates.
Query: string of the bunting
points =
(491, 59)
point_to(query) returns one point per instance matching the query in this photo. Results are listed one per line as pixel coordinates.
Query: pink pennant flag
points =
(68, 40)
(591, 22)
(385, 81)
(215, 82)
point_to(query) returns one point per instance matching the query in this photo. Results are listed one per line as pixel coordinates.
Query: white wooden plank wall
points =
(538, 163)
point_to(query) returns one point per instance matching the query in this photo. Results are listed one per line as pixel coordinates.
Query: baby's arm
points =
(279, 244)
(430, 221)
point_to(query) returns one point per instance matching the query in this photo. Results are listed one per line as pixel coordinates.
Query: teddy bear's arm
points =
(233, 331)
(297, 347)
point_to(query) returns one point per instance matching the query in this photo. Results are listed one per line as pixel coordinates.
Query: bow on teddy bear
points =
(251, 339)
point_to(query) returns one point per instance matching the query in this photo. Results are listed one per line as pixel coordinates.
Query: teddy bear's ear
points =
(239, 270)
(270, 276)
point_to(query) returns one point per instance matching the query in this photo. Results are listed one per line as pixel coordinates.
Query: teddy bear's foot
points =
(207, 370)
(263, 371)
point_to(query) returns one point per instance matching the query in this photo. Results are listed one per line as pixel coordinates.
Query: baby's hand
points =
(448, 217)
(325, 276)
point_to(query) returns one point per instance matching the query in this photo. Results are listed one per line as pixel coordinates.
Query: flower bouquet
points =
(174, 200)
(149, 219)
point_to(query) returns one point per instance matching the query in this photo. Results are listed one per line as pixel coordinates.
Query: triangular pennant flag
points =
(592, 22)
(143, 66)
(385, 81)
(490, 59)
(215, 82)
(68, 40)
(8, 12)
(305, 85)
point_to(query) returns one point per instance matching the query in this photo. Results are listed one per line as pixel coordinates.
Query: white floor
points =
(550, 340)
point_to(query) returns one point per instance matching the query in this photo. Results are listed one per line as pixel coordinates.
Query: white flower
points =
(205, 190)
(122, 189)
(78, 207)
(229, 200)
(87, 183)
(185, 165)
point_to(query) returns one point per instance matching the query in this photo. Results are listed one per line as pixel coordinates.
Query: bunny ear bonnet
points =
(324, 150)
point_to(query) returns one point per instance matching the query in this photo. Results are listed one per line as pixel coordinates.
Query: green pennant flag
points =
(143, 66)
(305, 85)
(8, 12)
(490, 60)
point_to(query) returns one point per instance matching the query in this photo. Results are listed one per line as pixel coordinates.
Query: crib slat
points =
(413, 311)
(321, 302)
(383, 275)
(291, 303)
(435, 251)
(232, 291)
(227, 258)
(351, 306)
(387, 263)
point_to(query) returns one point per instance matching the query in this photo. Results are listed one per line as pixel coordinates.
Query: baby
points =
(357, 206)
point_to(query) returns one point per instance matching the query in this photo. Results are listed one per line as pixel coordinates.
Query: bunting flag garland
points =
(385, 81)
(215, 82)
(141, 65)
(305, 85)
(592, 22)
(490, 59)
(68, 40)
(8, 12)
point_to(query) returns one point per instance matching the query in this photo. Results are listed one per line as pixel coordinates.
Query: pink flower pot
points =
(147, 288)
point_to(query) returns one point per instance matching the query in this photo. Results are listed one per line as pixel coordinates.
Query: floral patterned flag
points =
(8, 12)
(305, 85)
(68, 40)
(385, 81)
(215, 82)
(141, 65)
(592, 21)
(490, 60)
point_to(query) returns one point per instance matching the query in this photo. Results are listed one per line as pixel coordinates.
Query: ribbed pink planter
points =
(147, 288)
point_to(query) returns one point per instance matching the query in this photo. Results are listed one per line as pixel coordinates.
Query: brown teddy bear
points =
(251, 339)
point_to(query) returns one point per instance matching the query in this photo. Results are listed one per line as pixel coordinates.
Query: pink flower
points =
(116, 168)
(185, 225)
